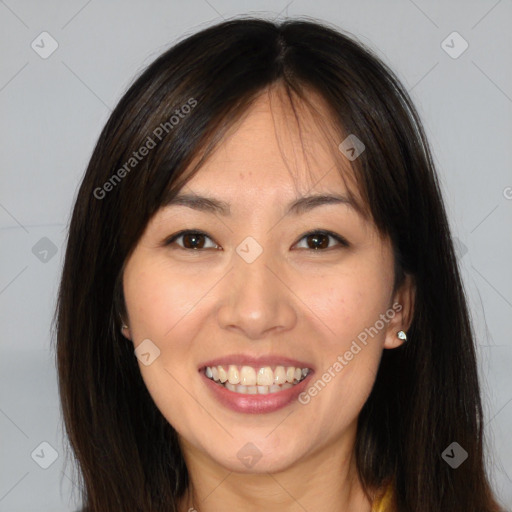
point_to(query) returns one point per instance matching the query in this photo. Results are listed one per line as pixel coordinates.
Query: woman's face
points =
(255, 295)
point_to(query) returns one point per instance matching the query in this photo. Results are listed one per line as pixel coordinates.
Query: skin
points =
(292, 300)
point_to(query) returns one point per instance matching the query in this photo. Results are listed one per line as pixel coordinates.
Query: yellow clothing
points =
(384, 503)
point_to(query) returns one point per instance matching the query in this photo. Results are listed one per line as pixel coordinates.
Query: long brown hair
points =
(426, 394)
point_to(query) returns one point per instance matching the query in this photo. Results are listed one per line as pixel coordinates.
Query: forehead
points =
(275, 152)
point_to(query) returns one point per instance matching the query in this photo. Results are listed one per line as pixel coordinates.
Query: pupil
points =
(315, 238)
(192, 237)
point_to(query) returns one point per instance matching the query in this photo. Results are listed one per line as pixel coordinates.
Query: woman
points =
(260, 306)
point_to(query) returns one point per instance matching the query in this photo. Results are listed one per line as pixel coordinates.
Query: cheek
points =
(163, 308)
(348, 301)
(349, 304)
(158, 301)
(168, 310)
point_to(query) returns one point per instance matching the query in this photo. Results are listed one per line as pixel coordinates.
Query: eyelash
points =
(341, 241)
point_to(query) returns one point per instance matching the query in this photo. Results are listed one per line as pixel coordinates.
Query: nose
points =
(256, 298)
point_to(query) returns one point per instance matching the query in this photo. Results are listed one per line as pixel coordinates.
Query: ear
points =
(403, 306)
(125, 330)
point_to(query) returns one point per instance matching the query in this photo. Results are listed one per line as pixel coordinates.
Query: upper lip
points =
(256, 362)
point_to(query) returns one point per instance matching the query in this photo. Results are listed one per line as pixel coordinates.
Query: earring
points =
(402, 335)
(124, 326)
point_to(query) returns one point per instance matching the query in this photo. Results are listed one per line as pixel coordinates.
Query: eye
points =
(320, 240)
(195, 240)
(192, 240)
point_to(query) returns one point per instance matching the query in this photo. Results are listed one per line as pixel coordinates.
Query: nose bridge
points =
(255, 300)
(251, 267)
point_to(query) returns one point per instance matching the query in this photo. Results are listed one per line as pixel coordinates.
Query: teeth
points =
(233, 374)
(247, 376)
(280, 375)
(223, 376)
(254, 381)
(265, 376)
(260, 390)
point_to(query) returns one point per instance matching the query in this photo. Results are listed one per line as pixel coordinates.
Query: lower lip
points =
(255, 404)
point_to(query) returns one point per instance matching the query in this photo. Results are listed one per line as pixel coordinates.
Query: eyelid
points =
(341, 240)
(171, 239)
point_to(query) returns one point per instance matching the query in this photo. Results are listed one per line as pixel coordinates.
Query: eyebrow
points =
(297, 207)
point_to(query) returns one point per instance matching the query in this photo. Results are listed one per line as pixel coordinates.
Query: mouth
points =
(256, 380)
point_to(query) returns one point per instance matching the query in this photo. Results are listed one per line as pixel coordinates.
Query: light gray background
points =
(52, 111)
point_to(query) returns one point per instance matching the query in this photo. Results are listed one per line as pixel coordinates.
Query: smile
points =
(256, 380)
